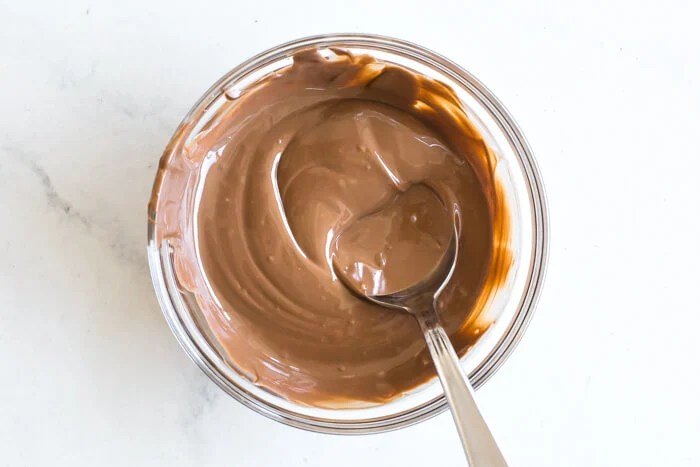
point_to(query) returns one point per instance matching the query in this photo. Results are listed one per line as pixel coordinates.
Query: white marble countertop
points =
(90, 92)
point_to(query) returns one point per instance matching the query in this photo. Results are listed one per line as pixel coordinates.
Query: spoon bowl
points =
(423, 294)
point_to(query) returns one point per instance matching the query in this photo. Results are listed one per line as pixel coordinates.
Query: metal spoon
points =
(419, 300)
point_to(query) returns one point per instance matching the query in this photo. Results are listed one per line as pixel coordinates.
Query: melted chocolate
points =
(328, 152)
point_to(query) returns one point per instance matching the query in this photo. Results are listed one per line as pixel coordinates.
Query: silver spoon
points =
(419, 300)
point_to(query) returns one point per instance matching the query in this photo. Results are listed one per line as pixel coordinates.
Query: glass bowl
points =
(510, 307)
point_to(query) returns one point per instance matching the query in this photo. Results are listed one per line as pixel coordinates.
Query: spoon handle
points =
(478, 442)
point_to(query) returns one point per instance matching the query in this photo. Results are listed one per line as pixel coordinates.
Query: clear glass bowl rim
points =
(528, 302)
